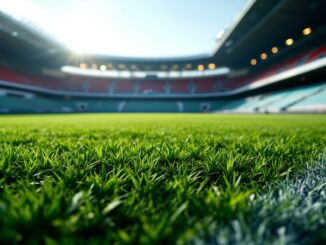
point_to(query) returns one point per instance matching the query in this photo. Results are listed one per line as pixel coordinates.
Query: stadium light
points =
(263, 56)
(188, 66)
(253, 62)
(200, 67)
(147, 67)
(175, 67)
(94, 66)
(274, 50)
(82, 66)
(211, 66)
(137, 74)
(164, 67)
(133, 67)
(103, 67)
(289, 41)
(306, 31)
(121, 66)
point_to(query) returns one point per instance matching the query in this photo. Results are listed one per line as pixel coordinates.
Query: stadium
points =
(226, 147)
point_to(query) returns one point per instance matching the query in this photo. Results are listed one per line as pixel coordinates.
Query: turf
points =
(144, 178)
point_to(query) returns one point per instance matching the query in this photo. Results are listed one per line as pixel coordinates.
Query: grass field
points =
(158, 178)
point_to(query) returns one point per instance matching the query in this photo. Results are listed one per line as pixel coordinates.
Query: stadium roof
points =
(266, 24)
(263, 24)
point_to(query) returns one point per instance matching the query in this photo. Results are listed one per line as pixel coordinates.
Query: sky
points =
(130, 28)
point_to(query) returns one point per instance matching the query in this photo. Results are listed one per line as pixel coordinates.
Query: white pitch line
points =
(291, 211)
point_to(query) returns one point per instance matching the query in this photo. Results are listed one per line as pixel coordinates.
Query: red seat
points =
(124, 86)
(205, 85)
(154, 86)
(179, 86)
(195, 85)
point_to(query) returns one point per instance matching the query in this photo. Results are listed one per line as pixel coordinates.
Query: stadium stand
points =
(302, 99)
(313, 103)
(282, 81)
(287, 100)
(295, 62)
(159, 86)
(151, 86)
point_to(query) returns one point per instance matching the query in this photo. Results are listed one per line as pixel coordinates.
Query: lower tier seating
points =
(310, 98)
(290, 100)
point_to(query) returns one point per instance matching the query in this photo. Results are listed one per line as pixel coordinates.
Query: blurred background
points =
(257, 56)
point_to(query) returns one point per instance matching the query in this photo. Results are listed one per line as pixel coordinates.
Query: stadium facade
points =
(271, 60)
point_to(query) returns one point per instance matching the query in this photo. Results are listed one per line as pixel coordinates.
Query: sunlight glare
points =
(82, 31)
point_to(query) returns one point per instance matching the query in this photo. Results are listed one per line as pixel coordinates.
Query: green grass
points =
(143, 178)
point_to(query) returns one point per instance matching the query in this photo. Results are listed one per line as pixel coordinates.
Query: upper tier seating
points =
(294, 62)
(85, 84)
(152, 86)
